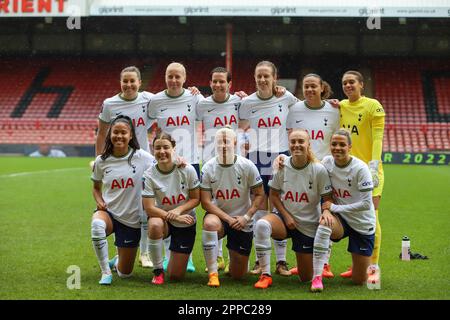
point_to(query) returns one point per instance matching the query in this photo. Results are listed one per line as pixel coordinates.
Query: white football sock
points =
(123, 275)
(209, 242)
(327, 261)
(100, 244)
(258, 215)
(155, 247)
(280, 249)
(166, 247)
(143, 244)
(263, 245)
(219, 248)
(321, 247)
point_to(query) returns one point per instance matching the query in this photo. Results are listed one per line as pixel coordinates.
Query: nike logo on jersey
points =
(298, 121)
(107, 171)
(118, 113)
(306, 247)
(183, 247)
(253, 111)
(212, 110)
(363, 249)
(213, 181)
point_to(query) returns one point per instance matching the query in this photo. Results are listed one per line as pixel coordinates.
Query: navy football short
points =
(301, 243)
(125, 236)
(357, 243)
(239, 241)
(182, 239)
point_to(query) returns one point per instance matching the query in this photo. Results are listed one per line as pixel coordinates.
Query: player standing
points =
(174, 110)
(218, 111)
(266, 115)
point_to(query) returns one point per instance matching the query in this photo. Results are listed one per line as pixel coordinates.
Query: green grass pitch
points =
(46, 207)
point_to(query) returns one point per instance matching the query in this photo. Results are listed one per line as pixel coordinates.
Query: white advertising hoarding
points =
(290, 8)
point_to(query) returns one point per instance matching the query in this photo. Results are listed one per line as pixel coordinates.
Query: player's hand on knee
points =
(326, 219)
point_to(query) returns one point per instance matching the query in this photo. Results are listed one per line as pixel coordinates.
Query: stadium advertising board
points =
(426, 158)
(42, 8)
(289, 8)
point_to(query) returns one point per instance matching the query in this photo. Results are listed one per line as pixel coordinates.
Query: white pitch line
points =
(21, 174)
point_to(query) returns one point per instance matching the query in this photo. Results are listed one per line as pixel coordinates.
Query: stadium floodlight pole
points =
(229, 47)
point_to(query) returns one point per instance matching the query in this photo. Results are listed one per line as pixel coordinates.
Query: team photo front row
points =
(314, 202)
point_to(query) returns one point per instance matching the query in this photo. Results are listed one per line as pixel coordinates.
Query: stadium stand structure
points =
(416, 97)
(58, 101)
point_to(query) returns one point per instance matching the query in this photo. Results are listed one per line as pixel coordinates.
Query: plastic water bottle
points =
(373, 277)
(406, 249)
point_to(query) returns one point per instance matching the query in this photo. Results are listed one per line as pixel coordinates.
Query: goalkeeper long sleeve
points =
(377, 137)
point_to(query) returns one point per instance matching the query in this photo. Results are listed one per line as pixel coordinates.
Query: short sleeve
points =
(291, 99)
(148, 191)
(199, 112)
(151, 109)
(105, 115)
(149, 160)
(254, 178)
(244, 111)
(323, 181)
(290, 119)
(193, 182)
(276, 182)
(97, 172)
(205, 179)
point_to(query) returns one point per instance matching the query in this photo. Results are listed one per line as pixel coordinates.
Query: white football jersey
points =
(122, 185)
(300, 191)
(230, 185)
(176, 116)
(171, 189)
(320, 124)
(349, 183)
(267, 118)
(216, 115)
(135, 109)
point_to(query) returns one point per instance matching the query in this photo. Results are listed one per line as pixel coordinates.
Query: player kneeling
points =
(117, 175)
(170, 196)
(227, 180)
(352, 215)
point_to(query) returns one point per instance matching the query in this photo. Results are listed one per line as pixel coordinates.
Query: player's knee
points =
(98, 226)
(210, 224)
(155, 227)
(263, 229)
